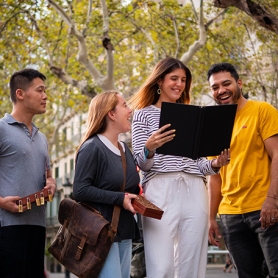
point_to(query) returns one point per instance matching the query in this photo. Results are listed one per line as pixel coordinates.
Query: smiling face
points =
(224, 87)
(172, 85)
(122, 115)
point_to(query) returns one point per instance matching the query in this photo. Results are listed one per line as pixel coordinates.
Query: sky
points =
(196, 2)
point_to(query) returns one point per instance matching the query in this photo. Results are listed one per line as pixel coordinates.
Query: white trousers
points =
(176, 246)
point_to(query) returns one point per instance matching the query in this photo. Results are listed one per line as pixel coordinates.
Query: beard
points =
(237, 94)
(234, 95)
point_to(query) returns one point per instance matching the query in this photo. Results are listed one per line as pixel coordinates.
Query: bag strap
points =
(117, 209)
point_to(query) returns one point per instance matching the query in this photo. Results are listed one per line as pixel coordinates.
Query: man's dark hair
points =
(223, 67)
(22, 80)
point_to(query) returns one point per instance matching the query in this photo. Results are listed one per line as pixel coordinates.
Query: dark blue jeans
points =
(254, 251)
(22, 251)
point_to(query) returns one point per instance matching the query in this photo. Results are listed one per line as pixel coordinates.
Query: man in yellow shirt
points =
(245, 192)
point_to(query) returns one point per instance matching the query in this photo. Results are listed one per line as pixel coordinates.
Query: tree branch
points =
(173, 19)
(187, 56)
(108, 81)
(61, 12)
(67, 79)
(105, 83)
(259, 13)
(88, 18)
(215, 18)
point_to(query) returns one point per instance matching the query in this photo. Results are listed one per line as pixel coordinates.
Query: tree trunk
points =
(257, 11)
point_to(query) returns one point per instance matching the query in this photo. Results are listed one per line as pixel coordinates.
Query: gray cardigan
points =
(98, 179)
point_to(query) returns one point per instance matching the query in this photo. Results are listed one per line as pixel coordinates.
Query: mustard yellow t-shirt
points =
(245, 181)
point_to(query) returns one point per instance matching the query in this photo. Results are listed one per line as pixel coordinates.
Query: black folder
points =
(200, 130)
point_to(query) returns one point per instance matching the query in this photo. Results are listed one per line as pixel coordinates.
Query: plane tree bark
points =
(261, 11)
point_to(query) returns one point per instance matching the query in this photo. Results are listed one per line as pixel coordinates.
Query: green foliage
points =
(142, 32)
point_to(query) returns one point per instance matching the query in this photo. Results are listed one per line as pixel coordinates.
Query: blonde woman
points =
(99, 176)
(176, 245)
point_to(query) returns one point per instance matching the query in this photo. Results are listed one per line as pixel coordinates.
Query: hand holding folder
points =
(201, 131)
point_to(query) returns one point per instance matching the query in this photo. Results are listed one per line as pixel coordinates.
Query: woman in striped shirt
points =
(176, 245)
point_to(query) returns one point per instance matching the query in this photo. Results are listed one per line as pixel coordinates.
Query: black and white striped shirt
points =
(145, 122)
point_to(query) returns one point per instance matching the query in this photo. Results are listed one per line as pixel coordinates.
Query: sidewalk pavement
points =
(213, 271)
(216, 271)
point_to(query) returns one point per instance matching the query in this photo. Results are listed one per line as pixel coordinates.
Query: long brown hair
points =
(99, 107)
(147, 94)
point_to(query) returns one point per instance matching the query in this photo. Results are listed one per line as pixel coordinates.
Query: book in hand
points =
(201, 131)
(146, 208)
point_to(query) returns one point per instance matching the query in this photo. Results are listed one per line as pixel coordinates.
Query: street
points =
(216, 271)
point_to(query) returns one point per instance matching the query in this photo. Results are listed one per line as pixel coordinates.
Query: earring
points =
(158, 91)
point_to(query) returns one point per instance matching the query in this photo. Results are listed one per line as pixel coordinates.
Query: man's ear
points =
(239, 83)
(19, 93)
